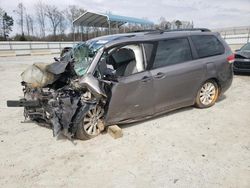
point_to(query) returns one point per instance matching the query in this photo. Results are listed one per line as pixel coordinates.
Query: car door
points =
(131, 97)
(176, 75)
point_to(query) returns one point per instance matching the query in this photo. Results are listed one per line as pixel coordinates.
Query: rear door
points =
(176, 75)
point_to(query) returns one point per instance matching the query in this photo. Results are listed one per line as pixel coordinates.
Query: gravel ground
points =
(186, 148)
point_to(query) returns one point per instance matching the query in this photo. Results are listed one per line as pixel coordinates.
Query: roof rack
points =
(142, 30)
(191, 29)
(155, 31)
(160, 31)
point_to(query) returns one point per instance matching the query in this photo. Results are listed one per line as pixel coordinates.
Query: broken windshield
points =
(83, 55)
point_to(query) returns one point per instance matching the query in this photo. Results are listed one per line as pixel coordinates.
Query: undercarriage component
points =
(23, 103)
(68, 112)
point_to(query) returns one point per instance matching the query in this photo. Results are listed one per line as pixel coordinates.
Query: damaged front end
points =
(63, 96)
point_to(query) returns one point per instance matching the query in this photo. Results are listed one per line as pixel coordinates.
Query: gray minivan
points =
(128, 77)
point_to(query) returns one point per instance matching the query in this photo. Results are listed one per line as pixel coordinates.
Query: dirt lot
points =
(186, 148)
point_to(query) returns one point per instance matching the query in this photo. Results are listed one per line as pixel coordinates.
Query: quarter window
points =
(171, 52)
(148, 49)
(207, 45)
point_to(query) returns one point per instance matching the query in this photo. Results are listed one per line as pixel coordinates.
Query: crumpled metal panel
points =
(57, 67)
(62, 115)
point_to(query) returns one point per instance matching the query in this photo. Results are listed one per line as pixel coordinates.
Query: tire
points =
(207, 94)
(91, 124)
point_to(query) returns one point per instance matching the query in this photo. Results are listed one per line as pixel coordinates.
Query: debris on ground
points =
(115, 131)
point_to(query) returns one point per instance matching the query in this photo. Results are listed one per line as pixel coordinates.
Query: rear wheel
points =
(207, 94)
(91, 124)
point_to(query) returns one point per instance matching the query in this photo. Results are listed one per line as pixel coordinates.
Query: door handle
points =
(145, 79)
(159, 75)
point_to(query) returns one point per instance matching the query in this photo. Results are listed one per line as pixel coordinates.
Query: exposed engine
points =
(54, 96)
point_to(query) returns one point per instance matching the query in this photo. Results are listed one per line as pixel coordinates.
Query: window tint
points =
(171, 52)
(207, 45)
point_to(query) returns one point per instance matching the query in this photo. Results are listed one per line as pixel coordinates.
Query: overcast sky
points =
(206, 13)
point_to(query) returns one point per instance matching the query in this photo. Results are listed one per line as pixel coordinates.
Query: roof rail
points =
(155, 31)
(191, 29)
(142, 30)
(160, 31)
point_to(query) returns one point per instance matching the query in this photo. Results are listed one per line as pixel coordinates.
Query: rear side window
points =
(171, 52)
(207, 45)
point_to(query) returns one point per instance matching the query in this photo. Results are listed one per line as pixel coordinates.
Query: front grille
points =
(242, 65)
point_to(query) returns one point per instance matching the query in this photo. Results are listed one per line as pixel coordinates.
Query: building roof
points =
(91, 19)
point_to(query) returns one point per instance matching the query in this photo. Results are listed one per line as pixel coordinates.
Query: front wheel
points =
(207, 94)
(91, 124)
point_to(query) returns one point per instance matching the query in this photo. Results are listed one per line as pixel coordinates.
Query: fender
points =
(93, 84)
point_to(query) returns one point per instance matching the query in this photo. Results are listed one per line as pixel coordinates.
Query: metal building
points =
(108, 21)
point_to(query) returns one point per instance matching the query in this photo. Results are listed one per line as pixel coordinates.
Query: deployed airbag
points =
(37, 76)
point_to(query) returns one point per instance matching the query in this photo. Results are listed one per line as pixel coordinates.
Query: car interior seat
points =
(123, 58)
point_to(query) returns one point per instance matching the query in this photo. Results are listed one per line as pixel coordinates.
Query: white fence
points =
(233, 30)
(234, 38)
(26, 48)
(236, 41)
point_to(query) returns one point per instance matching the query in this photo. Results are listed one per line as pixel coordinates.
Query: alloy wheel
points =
(91, 121)
(208, 93)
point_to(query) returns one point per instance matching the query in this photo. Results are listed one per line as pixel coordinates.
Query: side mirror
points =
(237, 50)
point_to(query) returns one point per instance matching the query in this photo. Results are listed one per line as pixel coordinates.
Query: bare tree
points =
(73, 12)
(31, 20)
(62, 24)
(164, 24)
(54, 16)
(1, 22)
(29, 24)
(40, 16)
(20, 12)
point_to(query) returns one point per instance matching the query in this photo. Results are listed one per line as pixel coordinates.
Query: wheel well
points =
(217, 82)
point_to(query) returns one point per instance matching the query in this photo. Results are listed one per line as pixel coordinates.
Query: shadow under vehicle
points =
(126, 78)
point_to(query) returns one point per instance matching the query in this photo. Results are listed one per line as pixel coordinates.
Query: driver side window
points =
(123, 61)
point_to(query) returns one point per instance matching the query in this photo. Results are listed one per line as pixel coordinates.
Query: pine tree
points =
(6, 25)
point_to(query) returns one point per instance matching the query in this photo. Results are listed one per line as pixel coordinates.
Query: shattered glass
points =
(83, 56)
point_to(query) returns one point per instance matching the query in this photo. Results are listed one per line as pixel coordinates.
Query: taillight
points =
(230, 59)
